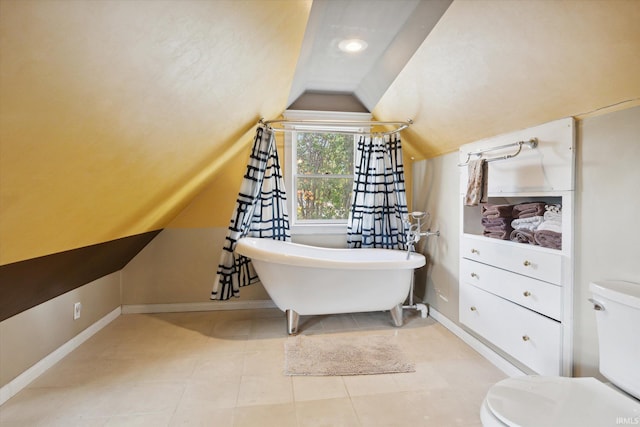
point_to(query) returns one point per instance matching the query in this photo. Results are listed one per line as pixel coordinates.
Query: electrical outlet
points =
(77, 309)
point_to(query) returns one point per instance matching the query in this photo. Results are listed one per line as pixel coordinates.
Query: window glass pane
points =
(324, 153)
(323, 198)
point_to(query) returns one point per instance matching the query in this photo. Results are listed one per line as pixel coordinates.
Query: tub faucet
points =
(414, 234)
(414, 230)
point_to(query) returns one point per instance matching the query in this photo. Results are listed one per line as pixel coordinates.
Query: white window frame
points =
(290, 169)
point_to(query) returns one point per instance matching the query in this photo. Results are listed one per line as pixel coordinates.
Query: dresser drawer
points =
(529, 337)
(523, 259)
(539, 296)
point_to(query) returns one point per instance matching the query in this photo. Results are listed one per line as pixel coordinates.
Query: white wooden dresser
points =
(517, 297)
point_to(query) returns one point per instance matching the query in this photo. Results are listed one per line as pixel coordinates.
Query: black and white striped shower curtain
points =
(379, 200)
(260, 212)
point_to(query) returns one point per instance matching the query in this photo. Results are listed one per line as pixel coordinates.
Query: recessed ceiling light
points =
(352, 45)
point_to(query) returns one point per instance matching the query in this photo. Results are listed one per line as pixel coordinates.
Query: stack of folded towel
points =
(526, 219)
(549, 232)
(534, 223)
(496, 220)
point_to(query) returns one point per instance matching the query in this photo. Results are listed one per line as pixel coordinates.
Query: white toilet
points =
(567, 402)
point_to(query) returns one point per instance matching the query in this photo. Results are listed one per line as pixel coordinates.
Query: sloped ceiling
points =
(393, 30)
(115, 113)
(491, 66)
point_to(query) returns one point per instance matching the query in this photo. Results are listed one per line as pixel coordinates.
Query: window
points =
(323, 175)
(319, 172)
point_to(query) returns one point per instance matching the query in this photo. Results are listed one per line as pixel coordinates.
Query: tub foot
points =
(292, 322)
(396, 315)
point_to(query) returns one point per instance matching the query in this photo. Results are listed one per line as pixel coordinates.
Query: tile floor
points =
(225, 368)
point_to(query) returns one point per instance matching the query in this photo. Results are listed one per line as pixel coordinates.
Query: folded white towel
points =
(555, 226)
(530, 223)
(553, 216)
(553, 208)
(553, 213)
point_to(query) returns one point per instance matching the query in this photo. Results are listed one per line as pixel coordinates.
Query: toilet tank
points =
(617, 306)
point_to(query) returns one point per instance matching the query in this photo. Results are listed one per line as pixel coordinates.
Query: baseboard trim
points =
(498, 361)
(24, 379)
(196, 306)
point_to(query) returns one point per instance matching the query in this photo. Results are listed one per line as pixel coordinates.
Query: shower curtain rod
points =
(400, 125)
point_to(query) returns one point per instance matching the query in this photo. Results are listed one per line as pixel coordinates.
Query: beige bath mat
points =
(340, 355)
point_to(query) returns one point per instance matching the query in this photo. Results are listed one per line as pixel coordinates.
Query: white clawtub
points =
(309, 280)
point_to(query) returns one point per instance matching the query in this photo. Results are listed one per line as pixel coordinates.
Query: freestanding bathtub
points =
(309, 280)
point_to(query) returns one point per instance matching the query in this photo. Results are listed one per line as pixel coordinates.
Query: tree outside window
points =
(323, 178)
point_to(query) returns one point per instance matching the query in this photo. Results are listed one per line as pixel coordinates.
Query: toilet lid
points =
(560, 401)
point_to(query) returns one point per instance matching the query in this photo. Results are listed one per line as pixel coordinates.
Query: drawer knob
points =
(472, 308)
(527, 263)
(475, 276)
(475, 251)
(597, 305)
(526, 293)
(525, 338)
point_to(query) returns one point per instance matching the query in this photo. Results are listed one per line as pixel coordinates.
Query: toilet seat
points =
(557, 401)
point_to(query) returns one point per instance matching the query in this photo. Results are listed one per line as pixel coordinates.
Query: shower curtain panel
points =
(260, 212)
(379, 203)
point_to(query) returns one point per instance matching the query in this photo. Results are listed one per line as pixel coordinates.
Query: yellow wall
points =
(491, 67)
(213, 206)
(114, 114)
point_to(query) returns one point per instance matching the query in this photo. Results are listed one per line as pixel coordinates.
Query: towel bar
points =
(531, 143)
